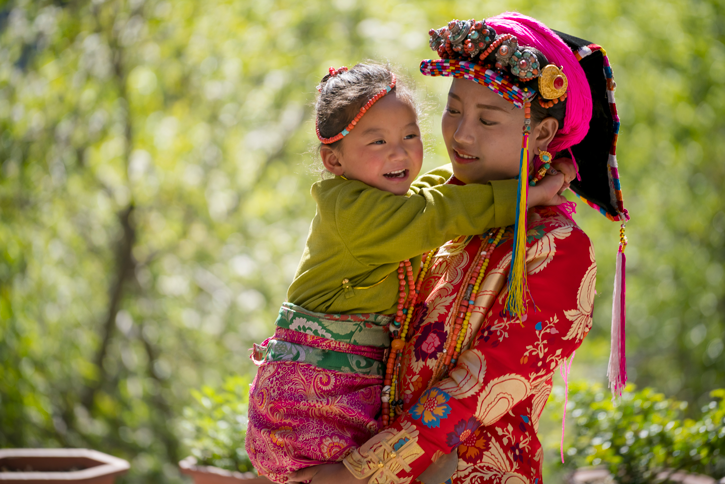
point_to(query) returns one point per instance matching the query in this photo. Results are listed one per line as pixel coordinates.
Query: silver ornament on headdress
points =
(437, 38)
(505, 51)
(479, 38)
(458, 30)
(457, 33)
(524, 64)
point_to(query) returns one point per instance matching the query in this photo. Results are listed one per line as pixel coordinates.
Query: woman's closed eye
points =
(450, 110)
(486, 122)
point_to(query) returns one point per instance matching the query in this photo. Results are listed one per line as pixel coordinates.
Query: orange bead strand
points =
(391, 400)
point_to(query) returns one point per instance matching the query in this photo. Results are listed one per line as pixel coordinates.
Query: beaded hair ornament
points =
(335, 72)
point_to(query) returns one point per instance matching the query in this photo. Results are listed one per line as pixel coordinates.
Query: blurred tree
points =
(154, 194)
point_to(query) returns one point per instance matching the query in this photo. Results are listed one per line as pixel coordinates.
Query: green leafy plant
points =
(215, 425)
(643, 437)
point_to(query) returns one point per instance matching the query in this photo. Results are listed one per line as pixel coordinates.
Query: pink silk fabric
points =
(301, 415)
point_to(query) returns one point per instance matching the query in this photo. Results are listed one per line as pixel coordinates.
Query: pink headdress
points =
(531, 32)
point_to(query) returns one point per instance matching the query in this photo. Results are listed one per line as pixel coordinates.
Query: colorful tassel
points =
(617, 370)
(517, 287)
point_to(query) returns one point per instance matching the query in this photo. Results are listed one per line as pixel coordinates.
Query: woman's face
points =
(483, 133)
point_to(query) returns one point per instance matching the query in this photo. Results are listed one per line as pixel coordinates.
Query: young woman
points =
(476, 367)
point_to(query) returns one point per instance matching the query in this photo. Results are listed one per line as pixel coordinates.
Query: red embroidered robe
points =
(487, 410)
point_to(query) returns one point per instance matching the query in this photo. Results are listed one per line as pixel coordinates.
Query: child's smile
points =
(384, 150)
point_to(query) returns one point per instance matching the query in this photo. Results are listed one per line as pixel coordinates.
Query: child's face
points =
(482, 132)
(385, 149)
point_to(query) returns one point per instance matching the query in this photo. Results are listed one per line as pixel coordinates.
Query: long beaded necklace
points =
(463, 309)
(465, 303)
(391, 396)
(392, 401)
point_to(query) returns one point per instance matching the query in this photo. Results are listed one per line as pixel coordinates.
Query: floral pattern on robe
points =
(487, 409)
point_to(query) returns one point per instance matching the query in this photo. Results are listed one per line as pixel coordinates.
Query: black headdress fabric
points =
(592, 153)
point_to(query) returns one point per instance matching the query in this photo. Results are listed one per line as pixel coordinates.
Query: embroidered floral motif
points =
(323, 415)
(499, 396)
(432, 408)
(522, 424)
(497, 330)
(542, 362)
(473, 445)
(430, 341)
(516, 452)
(414, 386)
(419, 314)
(333, 447)
(535, 233)
(487, 333)
(462, 431)
(279, 435)
(309, 327)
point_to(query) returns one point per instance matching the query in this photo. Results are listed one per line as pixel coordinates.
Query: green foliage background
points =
(154, 176)
(642, 436)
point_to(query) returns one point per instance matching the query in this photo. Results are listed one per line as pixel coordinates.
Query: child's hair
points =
(342, 96)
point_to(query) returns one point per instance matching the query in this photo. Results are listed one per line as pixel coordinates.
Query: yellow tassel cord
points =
(517, 287)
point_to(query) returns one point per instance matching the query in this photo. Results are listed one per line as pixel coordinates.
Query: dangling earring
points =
(545, 158)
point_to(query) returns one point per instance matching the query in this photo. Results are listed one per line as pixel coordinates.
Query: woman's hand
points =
(547, 191)
(559, 176)
(326, 474)
(567, 168)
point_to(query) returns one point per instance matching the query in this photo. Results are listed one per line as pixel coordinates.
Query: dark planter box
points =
(33, 466)
(215, 475)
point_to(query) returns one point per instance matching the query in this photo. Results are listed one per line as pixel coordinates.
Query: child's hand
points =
(547, 191)
(325, 474)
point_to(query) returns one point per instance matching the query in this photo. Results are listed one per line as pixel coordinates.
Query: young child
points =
(318, 391)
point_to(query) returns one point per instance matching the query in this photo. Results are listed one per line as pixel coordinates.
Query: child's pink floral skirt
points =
(317, 392)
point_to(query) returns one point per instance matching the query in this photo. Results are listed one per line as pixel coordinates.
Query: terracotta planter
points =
(214, 475)
(33, 466)
(600, 475)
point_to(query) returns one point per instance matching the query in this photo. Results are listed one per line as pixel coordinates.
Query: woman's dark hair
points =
(342, 96)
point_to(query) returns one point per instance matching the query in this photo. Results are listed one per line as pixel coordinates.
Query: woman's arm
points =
(491, 378)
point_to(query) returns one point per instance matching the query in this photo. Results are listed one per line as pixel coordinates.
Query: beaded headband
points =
(333, 72)
(359, 115)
